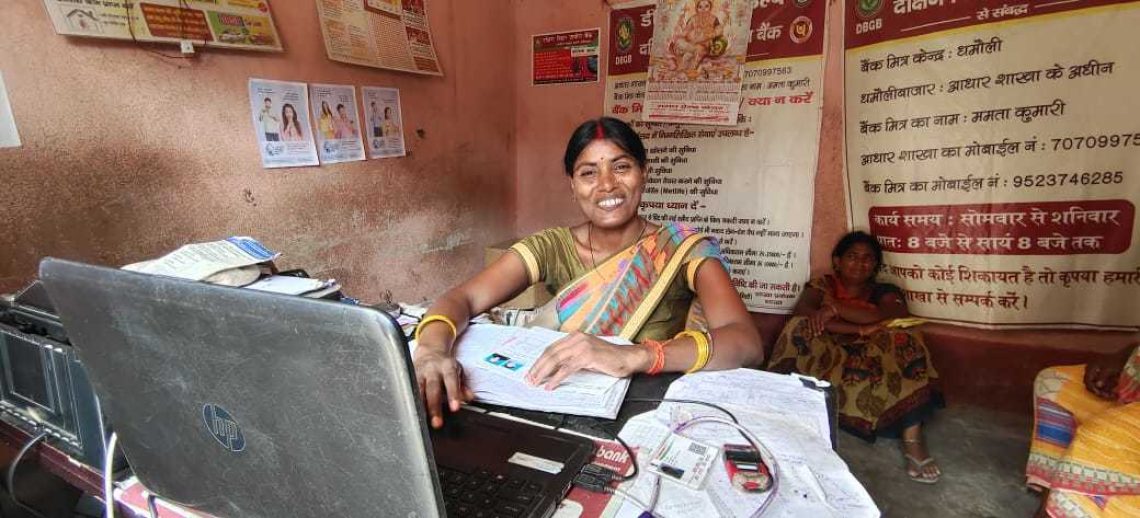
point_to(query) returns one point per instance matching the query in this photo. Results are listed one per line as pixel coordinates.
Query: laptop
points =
(235, 402)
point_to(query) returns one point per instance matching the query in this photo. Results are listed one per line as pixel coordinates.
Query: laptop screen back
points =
(242, 403)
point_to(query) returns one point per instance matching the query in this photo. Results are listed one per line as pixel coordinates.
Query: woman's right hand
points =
(817, 321)
(1103, 374)
(440, 376)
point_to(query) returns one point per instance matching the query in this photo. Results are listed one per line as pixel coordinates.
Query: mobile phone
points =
(746, 470)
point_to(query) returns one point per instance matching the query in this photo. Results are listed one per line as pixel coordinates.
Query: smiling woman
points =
(662, 286)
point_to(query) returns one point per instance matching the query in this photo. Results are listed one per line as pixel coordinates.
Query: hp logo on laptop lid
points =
(223, 427)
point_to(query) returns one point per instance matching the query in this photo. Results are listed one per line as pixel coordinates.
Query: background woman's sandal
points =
(914, 467)
(916, 472)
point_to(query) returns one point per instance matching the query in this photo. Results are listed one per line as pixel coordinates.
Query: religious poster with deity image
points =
(751, 186)
(696, 61)
(993, 147)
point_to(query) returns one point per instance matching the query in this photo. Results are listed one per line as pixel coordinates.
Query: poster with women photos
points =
(280, 112)
(337, 127)
(384, 122)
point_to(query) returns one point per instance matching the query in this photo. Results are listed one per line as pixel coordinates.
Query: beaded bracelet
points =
(435, 318)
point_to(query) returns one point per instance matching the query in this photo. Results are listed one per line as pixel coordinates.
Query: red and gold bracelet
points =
(658, 349)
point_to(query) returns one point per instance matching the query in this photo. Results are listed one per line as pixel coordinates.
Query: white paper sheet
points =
(496, 358)
(200, 260)
(757, 391)
(289, 285)
(9, 136)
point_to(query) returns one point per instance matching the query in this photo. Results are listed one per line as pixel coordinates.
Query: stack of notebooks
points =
(497, 358)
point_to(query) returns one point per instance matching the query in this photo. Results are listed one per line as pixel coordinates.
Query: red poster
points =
(566, 57)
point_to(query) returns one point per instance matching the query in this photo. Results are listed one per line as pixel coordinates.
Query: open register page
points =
(495, 361)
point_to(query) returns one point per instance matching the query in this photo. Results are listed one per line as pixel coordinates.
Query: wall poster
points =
(751, 185)
(280, 112)
(993, 148)
(338, 123)
(695, 61)
(239, 24)
(392, 34)
(385, 122)
(565, 57)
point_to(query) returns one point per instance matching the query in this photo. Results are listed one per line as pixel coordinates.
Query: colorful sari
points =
(884, 382)
(642, 292)
(1086, 450)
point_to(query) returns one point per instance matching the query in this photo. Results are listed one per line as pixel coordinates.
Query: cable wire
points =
(765, 455)
(12, 472)
(152, 505)
(632, 499)
(108, 476)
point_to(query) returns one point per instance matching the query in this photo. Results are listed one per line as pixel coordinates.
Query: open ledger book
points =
(496, 359)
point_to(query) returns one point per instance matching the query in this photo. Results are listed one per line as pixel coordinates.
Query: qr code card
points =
(683, 460)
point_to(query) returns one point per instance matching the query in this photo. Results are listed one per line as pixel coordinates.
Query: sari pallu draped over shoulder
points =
(618, 296)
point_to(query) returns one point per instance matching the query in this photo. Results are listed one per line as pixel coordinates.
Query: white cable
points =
(632, 499)
(108, 480)
(765, 454)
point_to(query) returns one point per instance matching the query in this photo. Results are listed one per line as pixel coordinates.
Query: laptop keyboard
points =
(482, 494)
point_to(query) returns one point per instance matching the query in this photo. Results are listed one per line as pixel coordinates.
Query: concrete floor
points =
(982, 454)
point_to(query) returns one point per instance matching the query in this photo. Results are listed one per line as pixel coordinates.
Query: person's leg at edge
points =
(920, 466)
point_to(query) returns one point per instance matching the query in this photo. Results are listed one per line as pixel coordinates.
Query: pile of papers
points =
(787, 417)
(228, 262)
(234, 261)
(497, 358)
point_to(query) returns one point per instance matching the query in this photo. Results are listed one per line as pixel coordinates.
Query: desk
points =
(54, 461)
(641, 386)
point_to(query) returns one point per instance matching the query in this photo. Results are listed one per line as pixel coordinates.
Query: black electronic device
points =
(237, 402)
(43, 387)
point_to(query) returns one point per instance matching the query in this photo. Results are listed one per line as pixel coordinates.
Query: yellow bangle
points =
(435, 318)
(704, 349)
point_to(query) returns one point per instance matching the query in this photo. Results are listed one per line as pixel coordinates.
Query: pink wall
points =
(545, 115)
(127, 155)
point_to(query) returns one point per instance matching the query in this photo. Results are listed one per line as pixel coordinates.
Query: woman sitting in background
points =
(883, 377)
(1085, 452)
(615, 274)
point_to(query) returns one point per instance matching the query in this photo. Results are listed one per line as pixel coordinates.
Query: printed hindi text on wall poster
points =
(750, 185)
(993, 148)
(565, 57)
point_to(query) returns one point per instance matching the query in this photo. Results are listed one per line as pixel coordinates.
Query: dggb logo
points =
(624, 34)
(868, 8)
(223, 427)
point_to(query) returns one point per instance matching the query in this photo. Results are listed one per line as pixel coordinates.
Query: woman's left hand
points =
(580, 351)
